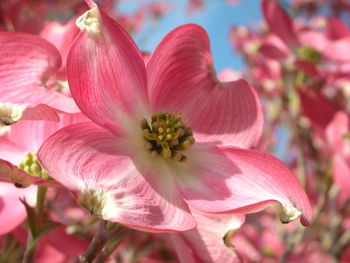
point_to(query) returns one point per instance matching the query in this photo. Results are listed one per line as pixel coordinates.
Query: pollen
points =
(31, 165)
(167, 136)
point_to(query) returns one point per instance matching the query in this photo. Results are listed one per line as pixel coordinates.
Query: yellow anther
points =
(31, 166)
(166, 135)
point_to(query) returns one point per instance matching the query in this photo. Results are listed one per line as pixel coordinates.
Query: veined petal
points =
(26, 63)
(105, 70)
(29, 135)
(220, 179)
(181, 78)
(110, 184)
(279, 22)
(12, 211)
(206, 241)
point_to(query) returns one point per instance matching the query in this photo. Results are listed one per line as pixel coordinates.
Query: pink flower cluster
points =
(156, 147)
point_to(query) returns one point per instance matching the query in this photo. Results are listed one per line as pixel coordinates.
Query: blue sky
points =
(217, 18)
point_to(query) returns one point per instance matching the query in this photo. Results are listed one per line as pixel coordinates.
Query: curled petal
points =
(181, 78)
(220, 179)
(105, 70)
(206, 242)
(26, 64)
(110, 185)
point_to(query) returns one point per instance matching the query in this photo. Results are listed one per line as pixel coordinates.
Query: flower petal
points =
(206, 241)
(105, 70)
(181, 78)
(29, 135)
(27, 62)
(279, 22)
(335, 132)
(337, 50)
(61, 36)
(97, 164)
(12, 211)
(316, 108)
(222, 179)
(341, 171)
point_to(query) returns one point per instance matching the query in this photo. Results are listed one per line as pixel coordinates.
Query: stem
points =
(40, 204)
(96, 244)
(116, 237)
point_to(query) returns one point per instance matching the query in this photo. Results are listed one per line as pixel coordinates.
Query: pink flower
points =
(164, 135)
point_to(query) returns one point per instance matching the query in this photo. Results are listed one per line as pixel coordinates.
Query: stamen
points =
(167, 136)
(31, 165)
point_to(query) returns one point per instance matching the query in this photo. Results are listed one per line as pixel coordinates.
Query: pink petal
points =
(11, 174)
(335, 131)
(10, 151)
(341, 171)
(316, 108)
(95, 159)
(279, 22)
(68, 244)
(273, 47)
(30, 135)
(222, 179)
(12, 211)
(61, 36)
(335, 28)
(40, 112)
(337, 50)
(206, 241)
(314, 39)
(181, 78)
(27, 62)
(106, 72)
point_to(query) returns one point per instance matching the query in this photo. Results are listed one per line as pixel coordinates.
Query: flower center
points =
(31, 165)
(309, 54)
(167, 136)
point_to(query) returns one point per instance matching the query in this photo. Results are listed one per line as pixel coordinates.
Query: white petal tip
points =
(289, 213)
(98, 202)
(10, 113)
(90, 21)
